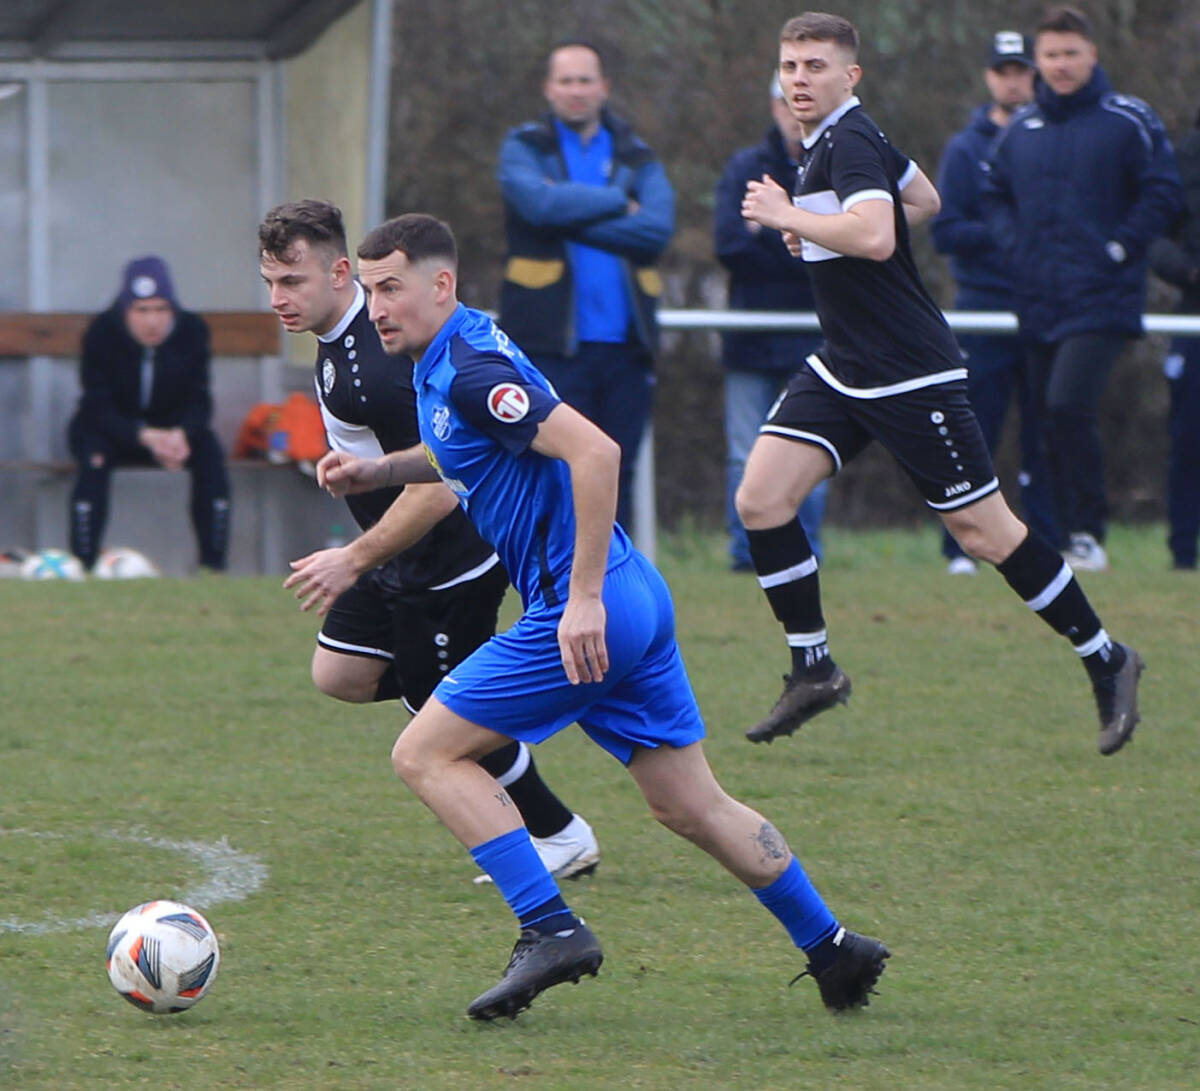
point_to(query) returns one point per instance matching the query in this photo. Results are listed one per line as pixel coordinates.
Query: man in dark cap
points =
(144, 371)
(984, 278)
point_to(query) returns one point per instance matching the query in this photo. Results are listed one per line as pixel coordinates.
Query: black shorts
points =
(422, 634)
(931, 431)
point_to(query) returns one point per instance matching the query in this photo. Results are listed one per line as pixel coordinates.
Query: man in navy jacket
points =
(763, 276)
(588, 210)
(1176, 258)
(995, 362)
(1078, 186)
(145, 374)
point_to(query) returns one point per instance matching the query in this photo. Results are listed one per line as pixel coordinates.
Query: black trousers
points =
(89, 498)
(1068, 377)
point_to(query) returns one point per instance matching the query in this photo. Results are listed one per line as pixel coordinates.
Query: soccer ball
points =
(123, 563)
(51, 564)
(162, 956)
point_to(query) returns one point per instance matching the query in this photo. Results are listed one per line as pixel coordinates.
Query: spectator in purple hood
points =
(144, 371)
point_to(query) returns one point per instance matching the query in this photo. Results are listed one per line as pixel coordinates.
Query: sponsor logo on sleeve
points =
(508, 402)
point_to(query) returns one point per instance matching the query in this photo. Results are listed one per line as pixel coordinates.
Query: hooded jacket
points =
(537, 300)
(111, 377)
(1176, 258)
(960, 231)
(1070, 176)
(763, 276)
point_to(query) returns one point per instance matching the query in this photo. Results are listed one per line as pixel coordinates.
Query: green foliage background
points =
(692, 74)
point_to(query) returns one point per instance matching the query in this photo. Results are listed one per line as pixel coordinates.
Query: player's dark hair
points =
(319, 223)
(581, 43)
(1066, 20)
(415, 235)
(820, 26)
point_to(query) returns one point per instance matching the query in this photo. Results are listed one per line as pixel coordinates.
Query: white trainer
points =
(961, 566)
(568, 854)
(1085, 554)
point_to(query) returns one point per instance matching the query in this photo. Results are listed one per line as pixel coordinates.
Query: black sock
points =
(1048, 586)
(787, 573)
(549, 917)
(513, 766)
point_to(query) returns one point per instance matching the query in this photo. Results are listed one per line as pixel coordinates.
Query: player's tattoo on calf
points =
(504, 799)
(771, 841)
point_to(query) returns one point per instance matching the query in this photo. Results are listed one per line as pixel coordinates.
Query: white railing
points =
(645, 516)
(961, 321)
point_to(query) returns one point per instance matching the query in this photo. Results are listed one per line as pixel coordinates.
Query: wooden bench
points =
(60, 333)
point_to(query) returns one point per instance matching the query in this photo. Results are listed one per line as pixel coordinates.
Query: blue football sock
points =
(800, 909)
(522, 878)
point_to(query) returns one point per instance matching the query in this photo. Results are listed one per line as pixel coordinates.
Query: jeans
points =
(1068, 378)
(613, 386)
(749, 395)
(1182, 369)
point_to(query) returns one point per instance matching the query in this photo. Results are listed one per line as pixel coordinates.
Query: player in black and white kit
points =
(889, 370)
(418, 590)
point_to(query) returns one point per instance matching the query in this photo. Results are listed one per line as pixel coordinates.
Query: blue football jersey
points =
(479, 404)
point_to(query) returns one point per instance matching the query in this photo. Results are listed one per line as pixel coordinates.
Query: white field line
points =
(229, 876)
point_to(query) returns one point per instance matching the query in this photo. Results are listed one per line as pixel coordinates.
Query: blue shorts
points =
(515, 683)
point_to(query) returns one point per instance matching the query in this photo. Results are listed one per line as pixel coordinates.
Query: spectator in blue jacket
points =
(1176, 258)
(995, 362)
(1079, 184)
(588, 211)
(763, 276)
(144, 372)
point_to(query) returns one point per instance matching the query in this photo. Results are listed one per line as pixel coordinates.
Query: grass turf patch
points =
(1039, 899)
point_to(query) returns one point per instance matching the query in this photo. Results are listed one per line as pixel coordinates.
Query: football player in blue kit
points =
(418, 590)
(595, 644)
(889, 370)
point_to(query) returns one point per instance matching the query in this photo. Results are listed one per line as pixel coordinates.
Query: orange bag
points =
(291, 432)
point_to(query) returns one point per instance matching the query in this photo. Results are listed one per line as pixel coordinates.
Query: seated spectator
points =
(145, 378)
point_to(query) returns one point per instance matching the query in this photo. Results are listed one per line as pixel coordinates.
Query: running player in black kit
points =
(418, 590)
(889, 370)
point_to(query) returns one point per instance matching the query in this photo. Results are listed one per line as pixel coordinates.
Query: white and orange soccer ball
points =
(123, 563)
(162, 956)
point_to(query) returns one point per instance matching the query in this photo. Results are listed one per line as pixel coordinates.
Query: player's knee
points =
(754, 508)
(406, 761)
(678, 816)
(341, 685)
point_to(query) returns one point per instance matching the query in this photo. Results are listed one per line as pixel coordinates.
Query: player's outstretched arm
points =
(593, 460)
(342, 474)
(320, 577)
(866, 230)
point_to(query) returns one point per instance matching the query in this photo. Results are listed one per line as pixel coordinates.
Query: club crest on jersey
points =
(328, 375)
(441, 422)
(508, 402)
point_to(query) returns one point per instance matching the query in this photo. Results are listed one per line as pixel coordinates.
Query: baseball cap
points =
(1010, 47)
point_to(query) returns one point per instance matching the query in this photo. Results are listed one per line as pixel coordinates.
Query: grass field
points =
(161, 738)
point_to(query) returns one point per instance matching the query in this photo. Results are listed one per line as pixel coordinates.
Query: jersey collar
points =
(431, 354)
(360, 297)
(831, 119)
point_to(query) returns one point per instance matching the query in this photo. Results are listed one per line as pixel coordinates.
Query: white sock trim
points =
(807, 640)
(1052, 590)
(788, 575)
(517, 770)
(1094, 645)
